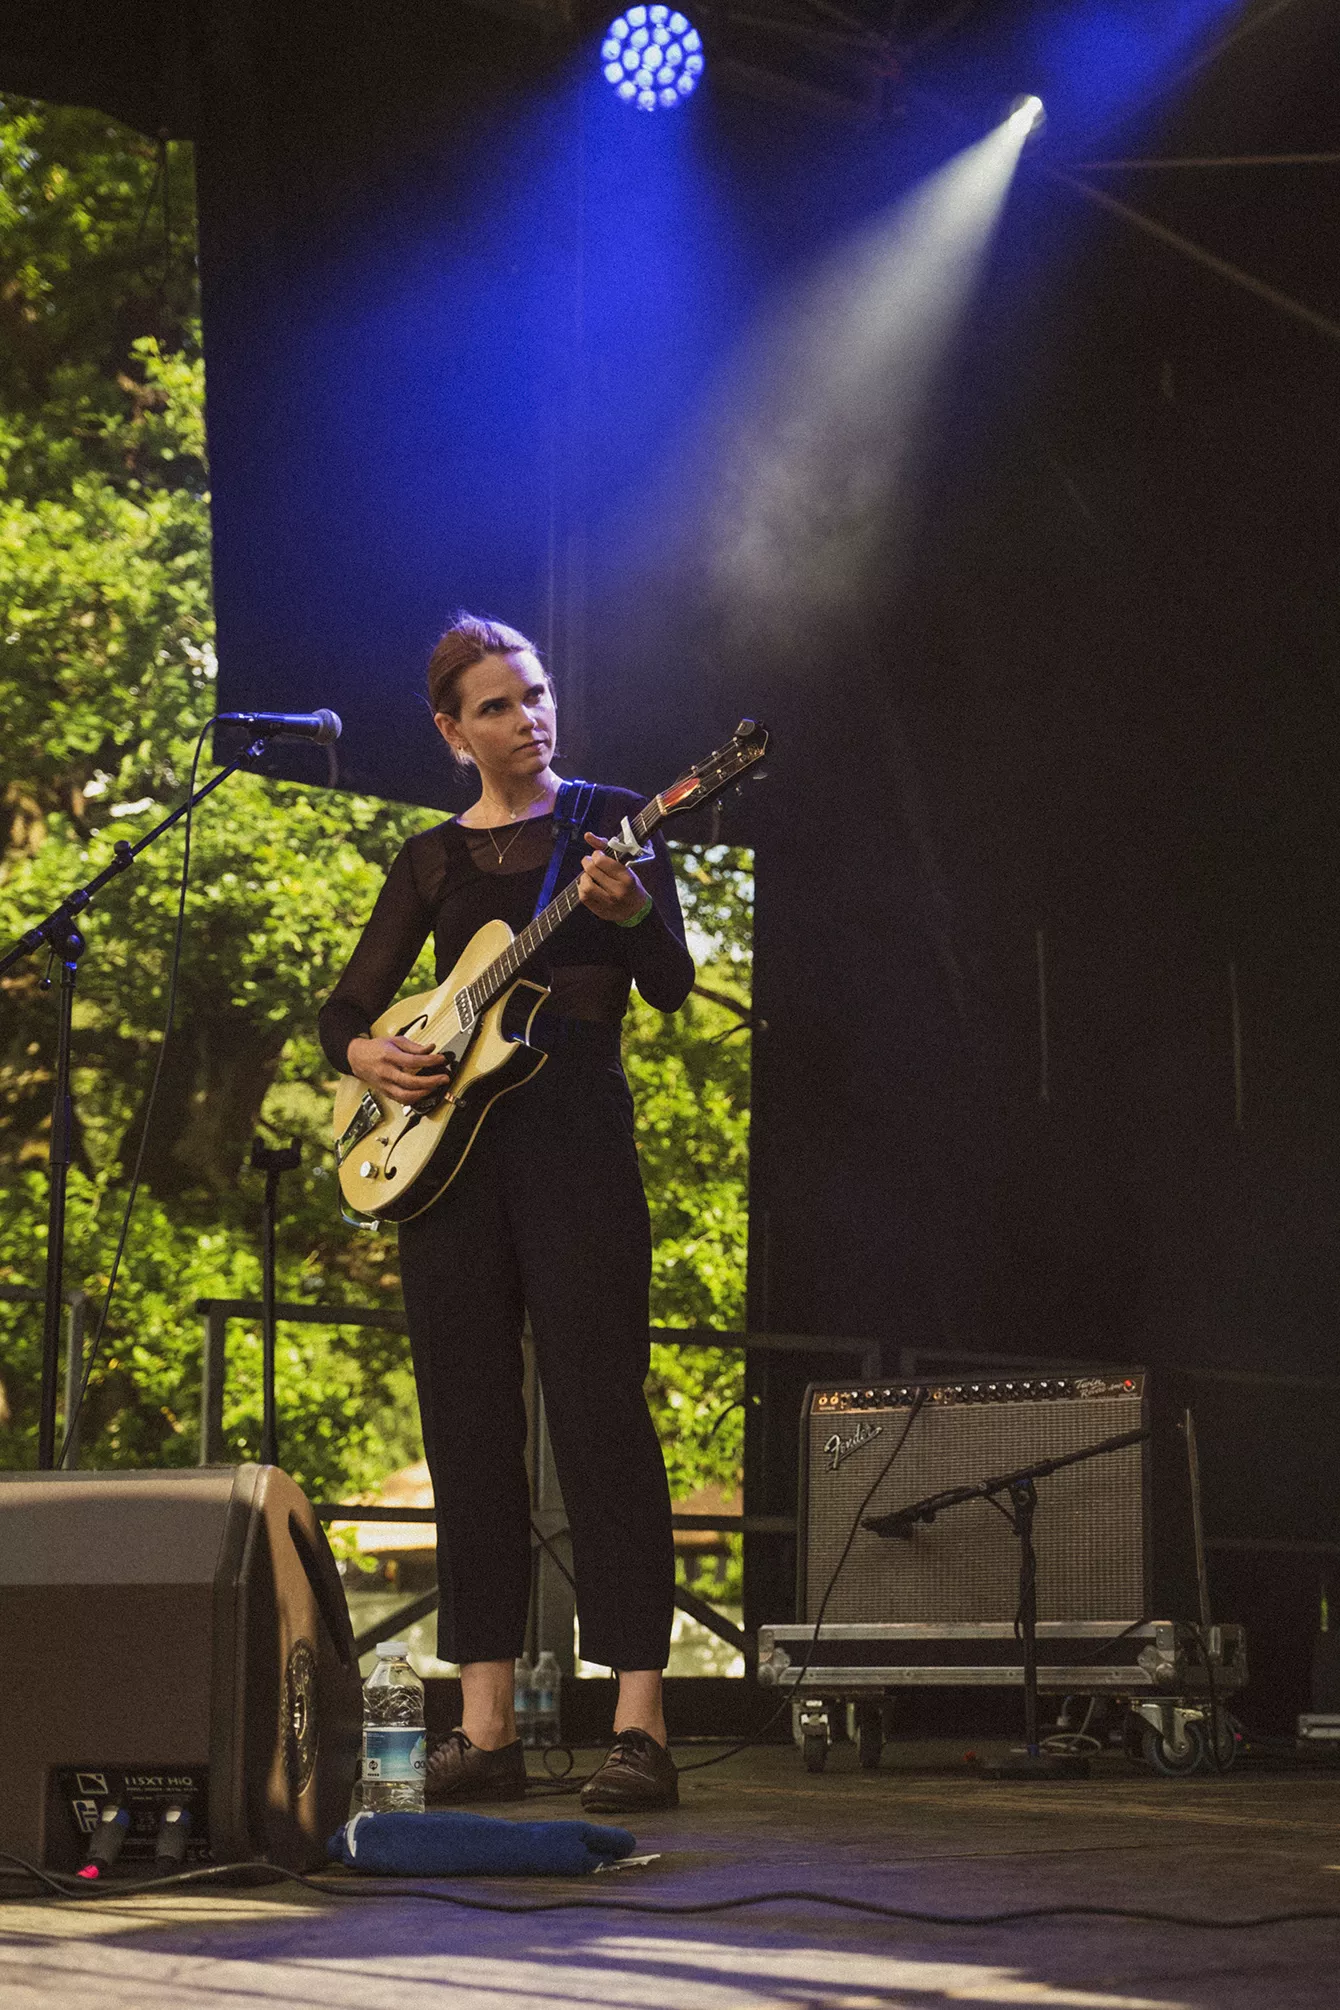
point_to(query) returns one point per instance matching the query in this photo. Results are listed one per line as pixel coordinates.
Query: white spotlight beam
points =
(837, 401)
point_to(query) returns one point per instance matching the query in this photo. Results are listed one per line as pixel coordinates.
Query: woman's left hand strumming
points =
(609, 889)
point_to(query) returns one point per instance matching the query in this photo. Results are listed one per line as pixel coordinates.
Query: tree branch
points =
(746, 1012)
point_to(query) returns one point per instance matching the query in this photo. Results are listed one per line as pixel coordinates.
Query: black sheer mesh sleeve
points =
(396, 931)
(658, 959)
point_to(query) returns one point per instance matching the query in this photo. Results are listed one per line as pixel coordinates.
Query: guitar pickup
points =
(432, 1102)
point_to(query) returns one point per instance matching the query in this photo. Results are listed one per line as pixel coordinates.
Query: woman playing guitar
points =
(546, 1217)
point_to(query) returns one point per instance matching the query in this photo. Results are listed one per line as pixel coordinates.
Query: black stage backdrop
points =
(1046, 931)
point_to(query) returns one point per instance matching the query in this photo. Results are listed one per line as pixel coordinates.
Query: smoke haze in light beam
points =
(829, 407)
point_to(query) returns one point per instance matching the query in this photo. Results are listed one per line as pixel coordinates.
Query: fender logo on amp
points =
(839, 1448)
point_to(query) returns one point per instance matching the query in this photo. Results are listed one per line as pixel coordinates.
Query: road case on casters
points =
(1169, 1677)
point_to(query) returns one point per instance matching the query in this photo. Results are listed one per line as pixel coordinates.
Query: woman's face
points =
(507, 722)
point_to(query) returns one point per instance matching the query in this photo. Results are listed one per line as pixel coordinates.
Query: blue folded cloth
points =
(448, 1842)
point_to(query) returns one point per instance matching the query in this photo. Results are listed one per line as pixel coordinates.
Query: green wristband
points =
(641, 914)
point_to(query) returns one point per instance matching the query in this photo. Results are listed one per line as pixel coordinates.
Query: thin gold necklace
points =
(502, 850)
(520, 820)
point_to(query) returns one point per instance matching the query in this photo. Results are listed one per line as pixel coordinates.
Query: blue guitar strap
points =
(573, 808)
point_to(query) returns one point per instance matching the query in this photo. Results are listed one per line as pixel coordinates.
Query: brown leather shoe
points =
(638, 1774)
(460, 1771)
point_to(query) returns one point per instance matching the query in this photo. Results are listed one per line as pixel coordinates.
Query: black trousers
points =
(547, 1217)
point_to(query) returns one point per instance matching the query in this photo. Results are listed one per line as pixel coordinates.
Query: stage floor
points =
(922, 1832)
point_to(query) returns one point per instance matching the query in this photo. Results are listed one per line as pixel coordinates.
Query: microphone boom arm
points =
(1022, 1489)
(904, 1520)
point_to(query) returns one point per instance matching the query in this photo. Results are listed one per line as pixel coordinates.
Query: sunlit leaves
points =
(106, 675)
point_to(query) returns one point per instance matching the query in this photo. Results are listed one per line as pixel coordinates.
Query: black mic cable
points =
(565, 1783)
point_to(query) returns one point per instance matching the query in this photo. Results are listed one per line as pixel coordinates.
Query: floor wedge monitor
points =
(176, 1665)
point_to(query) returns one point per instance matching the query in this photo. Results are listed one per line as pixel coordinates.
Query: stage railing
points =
(219, 1312)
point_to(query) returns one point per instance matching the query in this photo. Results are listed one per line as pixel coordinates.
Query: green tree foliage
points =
(106, 677)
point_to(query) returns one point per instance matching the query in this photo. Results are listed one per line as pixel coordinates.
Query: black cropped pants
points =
(547, 1217)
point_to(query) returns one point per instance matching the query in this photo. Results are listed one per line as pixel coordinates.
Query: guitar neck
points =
(493, 981)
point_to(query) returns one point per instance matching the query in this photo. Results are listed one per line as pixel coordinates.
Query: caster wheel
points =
(869, 1735)
(814, 1751)
(838, 1732)
(1173, 1764)
(1224, 1752)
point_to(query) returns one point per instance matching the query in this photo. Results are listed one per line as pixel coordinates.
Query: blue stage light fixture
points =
(652, 56)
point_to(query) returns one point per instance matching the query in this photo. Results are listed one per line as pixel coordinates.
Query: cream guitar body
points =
(395, 1159)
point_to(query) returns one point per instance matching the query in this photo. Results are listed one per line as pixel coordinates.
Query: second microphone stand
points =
(1021, 1486)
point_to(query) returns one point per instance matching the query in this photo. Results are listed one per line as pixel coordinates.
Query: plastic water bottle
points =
(544, 1686)
(523, 1699)
(395, 1743)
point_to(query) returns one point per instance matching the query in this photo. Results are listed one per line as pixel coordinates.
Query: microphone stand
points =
(1021, 1486)
(65, 943)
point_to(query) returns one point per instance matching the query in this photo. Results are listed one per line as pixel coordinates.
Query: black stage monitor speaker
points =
(1102, 1551)
(172, 1639)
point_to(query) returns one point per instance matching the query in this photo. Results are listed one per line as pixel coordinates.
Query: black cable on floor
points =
(62, 1886)
(783, 1708)
(570, 1783)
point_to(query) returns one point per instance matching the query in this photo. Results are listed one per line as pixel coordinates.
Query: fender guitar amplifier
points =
(1100, 1554)
(172, 1639)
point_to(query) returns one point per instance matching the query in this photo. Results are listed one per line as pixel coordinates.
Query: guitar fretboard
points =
(491, 982)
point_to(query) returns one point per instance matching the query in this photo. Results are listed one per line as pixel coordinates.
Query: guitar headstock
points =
(746, 746)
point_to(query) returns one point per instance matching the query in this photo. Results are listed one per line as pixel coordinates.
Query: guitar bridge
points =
(364, 1120)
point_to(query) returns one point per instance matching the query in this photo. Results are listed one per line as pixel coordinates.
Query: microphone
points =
(323, 726)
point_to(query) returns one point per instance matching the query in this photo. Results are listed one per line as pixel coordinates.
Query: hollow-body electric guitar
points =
(395, 1159)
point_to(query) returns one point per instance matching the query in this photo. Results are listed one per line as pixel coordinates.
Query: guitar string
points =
(536, 932)
(494, 978)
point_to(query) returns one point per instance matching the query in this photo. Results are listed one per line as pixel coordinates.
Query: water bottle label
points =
(391, 1752)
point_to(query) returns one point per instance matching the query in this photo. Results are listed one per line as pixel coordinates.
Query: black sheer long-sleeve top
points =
(448, 881)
